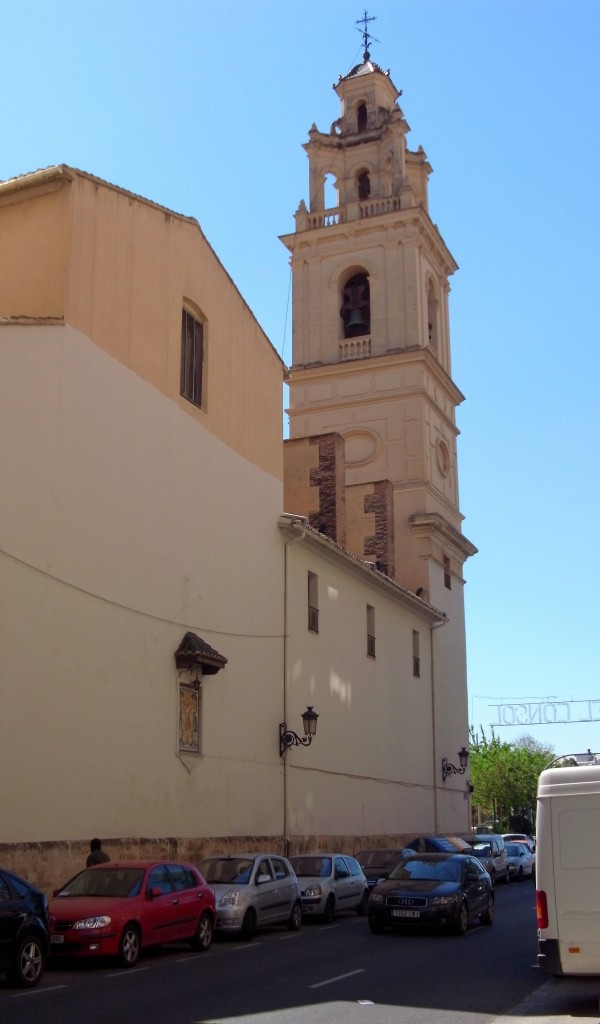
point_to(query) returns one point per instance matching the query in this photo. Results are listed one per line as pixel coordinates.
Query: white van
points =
(568, 867)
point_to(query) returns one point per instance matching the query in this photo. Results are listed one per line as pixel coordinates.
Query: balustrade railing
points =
(354, 348)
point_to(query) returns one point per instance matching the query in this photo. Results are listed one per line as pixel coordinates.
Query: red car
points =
(117, 909)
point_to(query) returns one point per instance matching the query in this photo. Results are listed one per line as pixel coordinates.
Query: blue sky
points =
(204, 107)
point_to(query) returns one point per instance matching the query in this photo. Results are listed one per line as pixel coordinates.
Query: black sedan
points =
(24, 935)
(435, 889)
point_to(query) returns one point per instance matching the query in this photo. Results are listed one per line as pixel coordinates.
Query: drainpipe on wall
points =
(433, 726)
(296, 521)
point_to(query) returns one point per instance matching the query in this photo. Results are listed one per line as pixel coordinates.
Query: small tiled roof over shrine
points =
(194, 652)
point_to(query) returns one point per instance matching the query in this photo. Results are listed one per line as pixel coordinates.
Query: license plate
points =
(57, 940)
(406, 913)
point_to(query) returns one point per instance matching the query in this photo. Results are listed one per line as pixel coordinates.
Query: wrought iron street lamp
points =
(288, 738)
(450, 769)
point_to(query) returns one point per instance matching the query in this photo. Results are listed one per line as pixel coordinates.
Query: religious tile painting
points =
(189, 718)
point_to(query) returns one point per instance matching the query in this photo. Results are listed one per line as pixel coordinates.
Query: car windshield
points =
(426, 870)
(482, 849)
(227, 870)
(105, 882)
(514, 849)
(377, 858)
(311, 867)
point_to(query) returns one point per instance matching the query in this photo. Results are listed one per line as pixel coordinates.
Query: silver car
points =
(521, 861)
(253, 890)
(330, 882)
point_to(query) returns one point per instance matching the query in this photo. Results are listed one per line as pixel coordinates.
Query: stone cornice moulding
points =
(431, 525)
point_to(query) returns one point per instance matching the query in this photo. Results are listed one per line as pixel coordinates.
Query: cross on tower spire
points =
(364, 31)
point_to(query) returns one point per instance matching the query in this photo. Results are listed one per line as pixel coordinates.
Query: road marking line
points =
(128, 973)
(340, 977)
(37, 991)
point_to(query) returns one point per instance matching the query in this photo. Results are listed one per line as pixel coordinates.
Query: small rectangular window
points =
(416, 656)
(192, 358)
(447, 575)
(313, 602)
(370, 631)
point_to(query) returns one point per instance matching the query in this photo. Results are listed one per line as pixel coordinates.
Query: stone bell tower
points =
(371, 347)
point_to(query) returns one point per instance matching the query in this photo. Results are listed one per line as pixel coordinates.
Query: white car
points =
(330, 882)
(253, 890)
(521, 861)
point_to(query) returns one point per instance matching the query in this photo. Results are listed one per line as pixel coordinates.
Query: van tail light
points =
(541, 907)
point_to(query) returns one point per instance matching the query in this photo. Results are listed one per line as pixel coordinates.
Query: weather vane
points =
(364, 31)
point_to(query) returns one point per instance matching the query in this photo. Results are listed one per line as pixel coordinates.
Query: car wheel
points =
(329, 912)
(488, 916)
(520, 875)
(29, 963)
(493, 876)
(462, 919)
(203, 935)
(294, 921)
(376, 925)
(362, 906)
(248, 925)
(130, 946)
(507, 877)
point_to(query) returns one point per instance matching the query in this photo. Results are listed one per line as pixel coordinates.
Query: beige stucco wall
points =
(119, 268)
(123, 528)
(374, 764)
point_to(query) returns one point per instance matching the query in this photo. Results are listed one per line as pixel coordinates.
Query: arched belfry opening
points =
(433, 316)
(361, 118)
(364, 184)
(330, 192)
(355, 309)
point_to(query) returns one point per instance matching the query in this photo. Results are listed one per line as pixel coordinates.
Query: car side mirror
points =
(154, 892)
(261, 879)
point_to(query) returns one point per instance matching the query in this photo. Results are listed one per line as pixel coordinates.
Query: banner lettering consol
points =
(547, 712)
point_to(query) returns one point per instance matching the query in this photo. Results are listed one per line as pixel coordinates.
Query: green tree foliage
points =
(504, 778)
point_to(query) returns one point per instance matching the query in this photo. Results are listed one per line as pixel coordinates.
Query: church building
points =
(184, 592)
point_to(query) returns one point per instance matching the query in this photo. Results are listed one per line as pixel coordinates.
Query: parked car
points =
(441, 889)
(330, 882)
(24, 932)
(439, 844)
(491, 851)
(519, 837)
(521, 862)
(377, 864)
(253, 890)
(117, 909)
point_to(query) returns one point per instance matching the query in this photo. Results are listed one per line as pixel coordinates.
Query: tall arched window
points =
(364, 185)
(361, 118)
(432, 318)
(356, 306)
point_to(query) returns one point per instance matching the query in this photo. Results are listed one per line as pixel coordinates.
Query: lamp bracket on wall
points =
(451, 769)
(288, 738)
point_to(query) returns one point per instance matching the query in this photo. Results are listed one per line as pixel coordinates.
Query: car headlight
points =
(229, 899)
(442, 901)
(376, 897)
(313, 890)
(102, 921)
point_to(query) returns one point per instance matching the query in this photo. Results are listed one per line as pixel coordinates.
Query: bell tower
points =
(371, 340)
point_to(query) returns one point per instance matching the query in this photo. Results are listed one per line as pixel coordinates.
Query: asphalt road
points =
(338, 974)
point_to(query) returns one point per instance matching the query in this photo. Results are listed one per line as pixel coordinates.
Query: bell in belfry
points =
(355, 310)
(355, 324)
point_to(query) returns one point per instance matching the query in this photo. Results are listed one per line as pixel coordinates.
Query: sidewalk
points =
(558, 1001)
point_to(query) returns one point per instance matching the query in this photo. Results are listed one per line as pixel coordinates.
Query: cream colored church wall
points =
(369, 770)
(33, 253)
(124, 526)
(119, 269)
